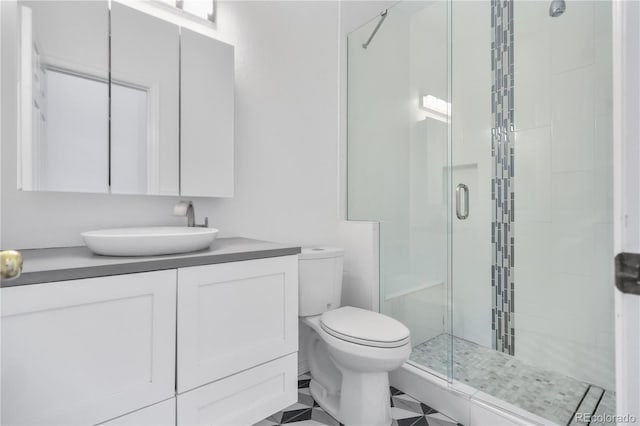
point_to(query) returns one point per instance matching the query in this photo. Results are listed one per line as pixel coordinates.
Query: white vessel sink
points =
(149, 241)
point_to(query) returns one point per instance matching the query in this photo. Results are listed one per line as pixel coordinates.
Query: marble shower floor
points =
(548, 394)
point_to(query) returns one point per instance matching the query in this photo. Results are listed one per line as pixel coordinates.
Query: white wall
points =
(286, 123)
(563, 179)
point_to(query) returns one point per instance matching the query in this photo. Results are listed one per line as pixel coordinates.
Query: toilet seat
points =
(364, 327)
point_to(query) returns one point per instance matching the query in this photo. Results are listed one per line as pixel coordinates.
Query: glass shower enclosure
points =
(479, 137)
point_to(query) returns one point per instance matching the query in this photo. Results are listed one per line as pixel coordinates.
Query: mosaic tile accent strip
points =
(405, 411)
(502, 190)
(545, 393)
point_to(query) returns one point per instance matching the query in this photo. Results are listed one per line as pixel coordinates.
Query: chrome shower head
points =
(557, 8)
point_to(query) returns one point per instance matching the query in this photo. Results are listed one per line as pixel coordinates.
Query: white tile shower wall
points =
(471, 161)
(427, 183)
(563, 176)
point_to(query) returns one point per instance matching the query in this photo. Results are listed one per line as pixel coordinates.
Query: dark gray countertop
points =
(72, 263)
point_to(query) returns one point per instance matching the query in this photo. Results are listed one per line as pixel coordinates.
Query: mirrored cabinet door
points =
(64, 96)
(207, 116)
(115, 100)
(145, 80)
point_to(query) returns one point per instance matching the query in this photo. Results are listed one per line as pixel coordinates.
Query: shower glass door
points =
(531, 139)
(398, 130)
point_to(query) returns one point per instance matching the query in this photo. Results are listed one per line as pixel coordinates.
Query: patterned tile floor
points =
(548, 394)
(405, 411)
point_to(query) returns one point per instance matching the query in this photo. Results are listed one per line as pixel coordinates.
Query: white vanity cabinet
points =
(89, 350)
(233, 316)
(212, 344)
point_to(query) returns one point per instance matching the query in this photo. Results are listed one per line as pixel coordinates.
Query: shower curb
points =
(461, 402)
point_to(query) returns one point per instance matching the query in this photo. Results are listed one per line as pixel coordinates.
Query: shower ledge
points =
(414, 288)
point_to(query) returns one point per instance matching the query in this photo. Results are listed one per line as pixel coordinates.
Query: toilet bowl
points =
(350, 350)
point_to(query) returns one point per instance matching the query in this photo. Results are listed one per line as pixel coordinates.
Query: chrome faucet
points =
(185, 208)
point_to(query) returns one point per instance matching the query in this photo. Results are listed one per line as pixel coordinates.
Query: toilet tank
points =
(320, 280)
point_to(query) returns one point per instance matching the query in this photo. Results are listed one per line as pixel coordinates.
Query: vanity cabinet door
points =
(244, 398)
(206, 116)
(234, 316)
(85, 351)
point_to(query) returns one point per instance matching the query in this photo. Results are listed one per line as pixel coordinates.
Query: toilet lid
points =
(364, 327)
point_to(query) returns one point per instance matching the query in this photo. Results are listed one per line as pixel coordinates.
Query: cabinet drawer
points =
(244, 398)
(234, 316)
(85, 351)
(160, 414)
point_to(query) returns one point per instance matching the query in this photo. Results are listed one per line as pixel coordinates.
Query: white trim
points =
(460, 402)
(626, 129)
(626, 155)
(153, 139)
(175, 16)
(152, 88)
(25, 99)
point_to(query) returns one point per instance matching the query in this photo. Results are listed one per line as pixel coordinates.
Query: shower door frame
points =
(626, 196)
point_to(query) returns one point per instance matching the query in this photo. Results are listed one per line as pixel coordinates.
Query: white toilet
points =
(350, 350)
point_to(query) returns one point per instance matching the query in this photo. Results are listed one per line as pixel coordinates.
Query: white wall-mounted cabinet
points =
(234, 316)
(206, 116)
(103, 350)
(85, 351)
(145, 103)
(132, 102)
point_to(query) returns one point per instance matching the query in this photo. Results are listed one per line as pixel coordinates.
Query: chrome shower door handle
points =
(462, 206)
